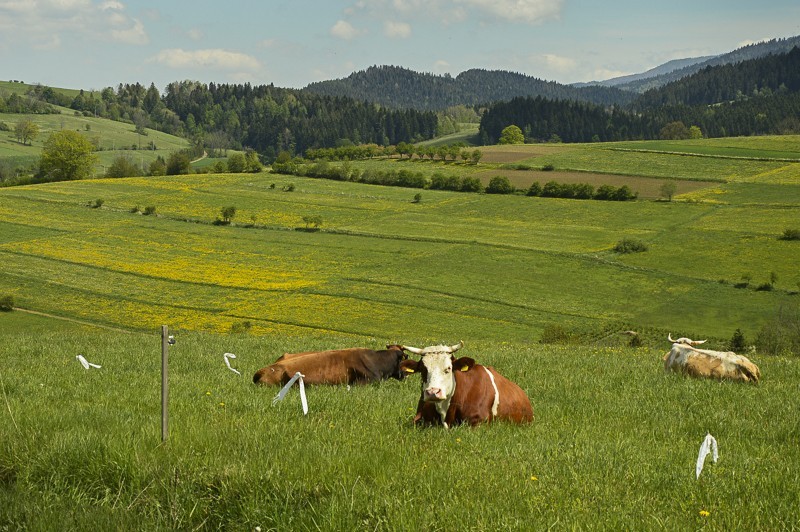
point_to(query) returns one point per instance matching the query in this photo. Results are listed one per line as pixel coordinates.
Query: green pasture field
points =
(468, 135)
(23, 88)
(613, 445)
(614, 442)
(766, 147)
(381, 265)
(748, 159)
(114, 138)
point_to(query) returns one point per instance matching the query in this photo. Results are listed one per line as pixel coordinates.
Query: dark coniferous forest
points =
(398, 87)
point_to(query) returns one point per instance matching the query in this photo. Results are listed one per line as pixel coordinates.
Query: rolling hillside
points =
(113, 138)
(383, 265)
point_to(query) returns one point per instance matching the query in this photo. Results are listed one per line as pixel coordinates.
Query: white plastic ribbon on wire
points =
(281, 394)
(709, 446)
(228, 356)
(85, 363)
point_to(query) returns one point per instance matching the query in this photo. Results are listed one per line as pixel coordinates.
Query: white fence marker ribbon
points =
(85, 363)
(281, 394)
(709, 446)
(228, 362)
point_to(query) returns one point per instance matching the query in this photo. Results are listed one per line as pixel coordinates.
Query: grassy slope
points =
(387, 265)
(114, 138)
(614, 442)
(607, 450)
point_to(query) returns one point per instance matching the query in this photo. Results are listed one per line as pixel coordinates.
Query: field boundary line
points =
(707, 155)
(73, 320)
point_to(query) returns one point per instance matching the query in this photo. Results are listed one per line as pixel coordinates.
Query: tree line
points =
(265, 118)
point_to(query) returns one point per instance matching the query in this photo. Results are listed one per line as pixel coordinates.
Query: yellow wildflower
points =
(704, 513)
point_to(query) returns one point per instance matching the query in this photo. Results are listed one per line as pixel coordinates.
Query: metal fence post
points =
(164, 382)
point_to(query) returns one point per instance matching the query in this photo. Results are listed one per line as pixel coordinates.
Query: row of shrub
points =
(440, 181)
(553, 189)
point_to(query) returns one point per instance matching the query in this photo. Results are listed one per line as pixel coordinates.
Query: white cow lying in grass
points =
(686, 358)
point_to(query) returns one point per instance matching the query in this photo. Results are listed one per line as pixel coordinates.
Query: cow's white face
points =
(438, 383)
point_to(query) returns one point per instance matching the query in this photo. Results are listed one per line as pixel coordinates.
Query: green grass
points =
(502, 267)
(468, 135)
(613, 445)
(614, 442)
(114, 139)
(767, 147)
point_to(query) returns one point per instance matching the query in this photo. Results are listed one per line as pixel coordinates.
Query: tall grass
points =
(613, 444)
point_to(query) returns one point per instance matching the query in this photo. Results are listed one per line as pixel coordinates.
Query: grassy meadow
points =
(614, 442)
(613, 445)
(113, 139)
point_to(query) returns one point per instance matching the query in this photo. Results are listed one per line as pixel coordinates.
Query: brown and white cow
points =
(355, 365)
(456, 391)
(685, 358)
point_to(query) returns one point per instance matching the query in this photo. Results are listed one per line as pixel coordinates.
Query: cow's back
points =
(337, 366)
(711, 364)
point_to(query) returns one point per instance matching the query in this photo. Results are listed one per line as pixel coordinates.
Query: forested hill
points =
(755, 97)
(401, 88)
(752, 51)
(771, 74)
(265, 118)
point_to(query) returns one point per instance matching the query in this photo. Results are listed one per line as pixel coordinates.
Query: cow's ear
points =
(409, 366)
(464, 363)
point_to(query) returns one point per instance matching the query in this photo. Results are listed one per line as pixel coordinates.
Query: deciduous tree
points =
(511, 135)
(26, 131)
(67, 155)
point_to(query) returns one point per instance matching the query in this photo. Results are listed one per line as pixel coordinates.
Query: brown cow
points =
(686, 358)
(456, 391)
(355, 365)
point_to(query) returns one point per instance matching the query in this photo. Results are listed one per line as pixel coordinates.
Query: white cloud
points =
(559, 63)
(131, 35)
(396, 30)
(111, 4)
(195, 34)
(344, 30)
(441, 66)
(211, 58)
(33, 22)
(449, 11)
(531, 11)
(602, 74)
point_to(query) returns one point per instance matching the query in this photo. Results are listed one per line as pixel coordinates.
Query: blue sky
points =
(91, 44)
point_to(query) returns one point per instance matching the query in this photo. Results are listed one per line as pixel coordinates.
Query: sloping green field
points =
(112, 138)
(496, 267)
(614, 442)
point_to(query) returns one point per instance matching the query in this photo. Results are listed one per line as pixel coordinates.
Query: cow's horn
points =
(698, 342)
(459, 345)
(669, 337)
(415, 350)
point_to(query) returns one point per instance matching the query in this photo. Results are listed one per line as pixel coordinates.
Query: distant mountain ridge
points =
(398, 87)
(666, 68)
(751, 51)
(401, 88)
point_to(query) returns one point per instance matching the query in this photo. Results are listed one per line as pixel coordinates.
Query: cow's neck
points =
(442, 407)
